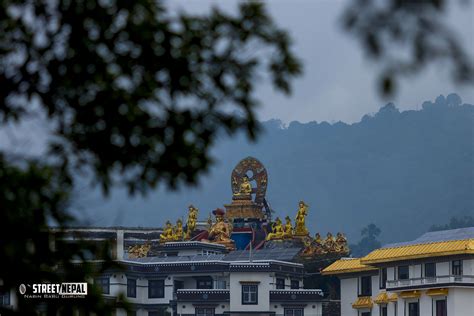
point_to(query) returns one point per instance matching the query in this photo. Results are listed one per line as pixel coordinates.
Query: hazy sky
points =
(339, 83)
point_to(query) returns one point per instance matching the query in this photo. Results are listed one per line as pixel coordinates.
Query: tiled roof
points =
(346, 265)
(363, 302)
(432, 244)
(438, 236)
(417, 251)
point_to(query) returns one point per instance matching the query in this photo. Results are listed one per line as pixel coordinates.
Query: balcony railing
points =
(209, 295)
(431, 281)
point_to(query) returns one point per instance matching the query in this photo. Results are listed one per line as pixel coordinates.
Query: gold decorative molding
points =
(410, 294)
(438, 292)
(363, 302)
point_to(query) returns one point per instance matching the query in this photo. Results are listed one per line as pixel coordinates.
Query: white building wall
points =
(461, 302)
(264, 286)
(426, 308)
(348, 296)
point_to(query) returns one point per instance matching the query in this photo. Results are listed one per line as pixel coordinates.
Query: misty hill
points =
(403, 171)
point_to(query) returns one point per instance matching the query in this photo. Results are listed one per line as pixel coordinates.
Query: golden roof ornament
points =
(139, 251)
(191, 221)
(300, 220)
(277, 230)
(178, 232)
(220, 231)
(288, 230)
(329, 245)
(168, 233)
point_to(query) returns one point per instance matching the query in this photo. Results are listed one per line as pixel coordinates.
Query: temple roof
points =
(432, 244)
(346, 265)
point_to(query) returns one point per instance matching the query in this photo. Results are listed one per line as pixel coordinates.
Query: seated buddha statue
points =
(178, 230)
(341, 243)
(277, 230)
(245, 188)
(167, 234)
(330, 243)
(288, 233)
(318, 240)
(220, 231)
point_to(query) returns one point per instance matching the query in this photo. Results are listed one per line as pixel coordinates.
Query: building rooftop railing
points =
(431, 281)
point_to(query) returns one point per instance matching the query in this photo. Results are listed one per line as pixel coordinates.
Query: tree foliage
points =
(130, 88)
(133, 95)
(454, 222)
(368, 241)
(405, 36)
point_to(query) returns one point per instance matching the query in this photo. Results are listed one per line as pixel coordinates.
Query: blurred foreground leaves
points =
(133, 95)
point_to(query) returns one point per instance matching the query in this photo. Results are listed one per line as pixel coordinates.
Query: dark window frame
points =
(443, 312)
(458, 268)
(157, 285)
(204, 283)
(417, 311)
(363, 282)
(104, 284)
(246, 288)
(382, 278)
(290, 311)
(430, 272)
(280, 283)
(383, 310)
(295, 284)
(407, 272)
(131, 287)
(204, 311)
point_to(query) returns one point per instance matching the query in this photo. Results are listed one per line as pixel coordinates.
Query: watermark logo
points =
(22, 289)
(54, 290)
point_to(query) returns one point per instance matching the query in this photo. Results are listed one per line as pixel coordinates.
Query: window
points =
(161, 312)
(221, 284)
(430, 270)
(395, 308)
(249, 294)
(131, 287)
(103, 284)
(280, 283)
(204, 311)
(365, 314)
(383, 310)
(403, 273)
(457, 267)
(4, 298)
(413, 309)
(178, 285)
(441, 308)
(382, 278)
(295, 284)
(204, 283)
(156, 288)
(365, 288)
(294, 312)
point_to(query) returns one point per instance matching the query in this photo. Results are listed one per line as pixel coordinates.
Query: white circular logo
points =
(22, 289)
